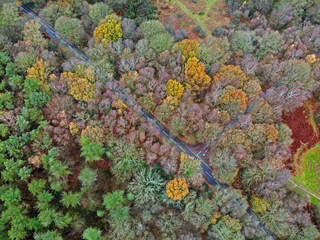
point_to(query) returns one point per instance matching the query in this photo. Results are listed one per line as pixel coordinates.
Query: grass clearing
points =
(203, 6)
(310, 172)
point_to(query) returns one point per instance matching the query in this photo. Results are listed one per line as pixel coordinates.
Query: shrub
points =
(177, 188)
(271, 43)
(151, 28)
(109, 31)
(70, 28)
(129, 29)
(99, 11)
(87, 176)
(161, 42)
(243, 41)
(174, 88)
(197, 28)
(197, 79)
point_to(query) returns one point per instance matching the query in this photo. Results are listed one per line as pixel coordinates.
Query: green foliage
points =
(140, 10)
(11, 197)
(161, 42)
(13, 169)
(98, 11)
(119, 214)
(169, 223)
(6, 100)
(228, 228)
(49, 235)
(297, 71)
(91, 151)
(91, 233)
(37, 99)
(243, 41)
(87, 176)
(127, 161)
(147, 186)
(4, 130)
(113, 200)
(151, 28)
(25, 60)
(71, 28)
(22, 123)
(271, 43)
(71, 199)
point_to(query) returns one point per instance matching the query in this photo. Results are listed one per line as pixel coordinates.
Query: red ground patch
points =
(302, 131)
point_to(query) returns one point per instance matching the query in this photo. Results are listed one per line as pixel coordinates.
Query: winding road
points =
(154, 122)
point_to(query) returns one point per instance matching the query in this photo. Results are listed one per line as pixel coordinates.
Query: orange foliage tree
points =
(230, 72)
(188, 48)
(272, 132)
(236, 95)
(197, 79)
(177, 188)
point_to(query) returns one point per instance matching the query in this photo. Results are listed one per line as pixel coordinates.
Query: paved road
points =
(151, 120)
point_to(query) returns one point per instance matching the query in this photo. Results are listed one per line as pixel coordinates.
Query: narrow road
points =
(150, 119)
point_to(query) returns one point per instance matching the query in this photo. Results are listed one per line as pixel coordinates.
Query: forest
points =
(78, 162)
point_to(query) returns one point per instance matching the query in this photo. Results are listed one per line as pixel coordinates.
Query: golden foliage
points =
(272, 132)
(40, 71)
(35, 161)
(230, 72)
(311, 58)
(172, 101)
(81, 83)
(177, 188)
(237, 95)
(109, 30)
(95, 133)
(259, 205)
(197, 79)
(73, 128)
(174, 88)
(215, 217)
(188, 48)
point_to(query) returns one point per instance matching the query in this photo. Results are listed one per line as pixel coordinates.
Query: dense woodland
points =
(77, 163)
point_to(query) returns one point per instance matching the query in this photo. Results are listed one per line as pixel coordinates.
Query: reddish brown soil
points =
(302, 131)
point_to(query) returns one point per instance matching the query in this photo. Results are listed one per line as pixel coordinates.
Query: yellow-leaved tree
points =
(109, 29)
(230, 72)
(81, 84)
(177, 188)
(40, 71)
(238, 96)
(259, 204)
(188, 48)
(174, 88)
(197, 79)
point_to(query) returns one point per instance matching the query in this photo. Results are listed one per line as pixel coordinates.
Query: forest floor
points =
(305, 160)
(185, 14)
